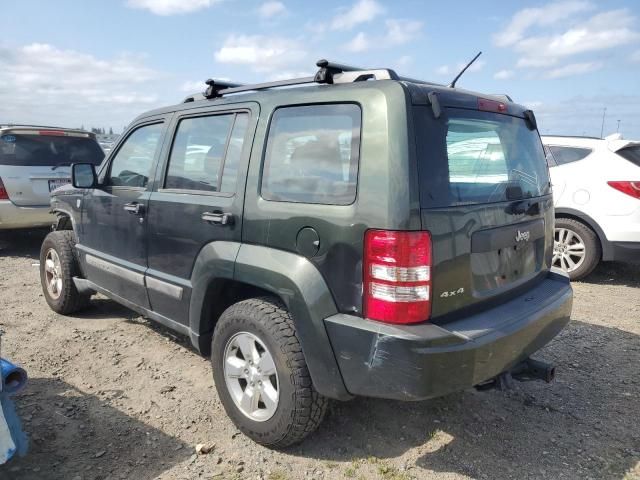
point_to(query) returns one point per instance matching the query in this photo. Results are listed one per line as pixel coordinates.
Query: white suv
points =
(596, 190)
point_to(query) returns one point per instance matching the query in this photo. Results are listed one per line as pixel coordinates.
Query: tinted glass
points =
(631, 153)
(133, 161)
(469, 157)
(312, 155)
(44, 150)
(197, 153)
(564, 155)
(234, 152)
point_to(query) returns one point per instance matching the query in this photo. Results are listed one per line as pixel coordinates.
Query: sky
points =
(100, 63)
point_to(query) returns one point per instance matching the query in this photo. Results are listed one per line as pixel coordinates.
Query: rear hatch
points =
(485, 197)
(34, 162)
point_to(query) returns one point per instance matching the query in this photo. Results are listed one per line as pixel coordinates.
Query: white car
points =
(596, 191)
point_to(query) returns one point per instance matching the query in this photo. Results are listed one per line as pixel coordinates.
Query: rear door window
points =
(471, 157)
(206, 152)
(48, 150)
(312, 154)
(564, 155)
(631, 153)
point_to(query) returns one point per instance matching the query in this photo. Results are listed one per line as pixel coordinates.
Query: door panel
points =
(199, 200)
(113, 238)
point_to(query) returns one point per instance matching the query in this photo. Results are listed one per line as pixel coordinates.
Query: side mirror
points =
(83, 175)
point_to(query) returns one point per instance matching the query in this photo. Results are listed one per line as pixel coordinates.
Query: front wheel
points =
(261, 375)
(576, 248)
(58, 266)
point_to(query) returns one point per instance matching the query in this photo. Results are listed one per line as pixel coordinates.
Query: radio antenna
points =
(453, 83)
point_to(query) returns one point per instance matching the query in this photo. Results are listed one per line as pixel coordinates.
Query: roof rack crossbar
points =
(328, 73)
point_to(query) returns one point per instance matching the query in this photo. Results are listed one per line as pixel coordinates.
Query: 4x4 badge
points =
(522, 236)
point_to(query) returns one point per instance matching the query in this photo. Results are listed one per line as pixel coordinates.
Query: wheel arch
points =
(228, 272)
(592, 224)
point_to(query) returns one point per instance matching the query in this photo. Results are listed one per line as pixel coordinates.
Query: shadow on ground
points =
(615, 273)
(115, 445)
(584, 425)
(22, 243)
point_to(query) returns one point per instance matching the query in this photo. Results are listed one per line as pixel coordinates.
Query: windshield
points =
(480, 157)
(631, 153)
(45, 150)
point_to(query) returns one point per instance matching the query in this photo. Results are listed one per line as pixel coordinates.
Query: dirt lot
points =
(113, 396)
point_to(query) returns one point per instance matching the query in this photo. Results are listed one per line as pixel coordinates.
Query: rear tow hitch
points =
(525, 371)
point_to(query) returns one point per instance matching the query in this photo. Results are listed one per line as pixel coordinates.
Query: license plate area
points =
(57, 183)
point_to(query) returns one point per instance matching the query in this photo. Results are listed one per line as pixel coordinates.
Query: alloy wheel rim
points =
(251, 377)
(569, 250)
(53, 274)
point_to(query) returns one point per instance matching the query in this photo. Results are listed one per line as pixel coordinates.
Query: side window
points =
(312, 154)
(564, 155)
(132, 164)
(206, 152)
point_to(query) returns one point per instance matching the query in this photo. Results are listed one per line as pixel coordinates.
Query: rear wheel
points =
(261, 375)
(58, 266)
(576, 248)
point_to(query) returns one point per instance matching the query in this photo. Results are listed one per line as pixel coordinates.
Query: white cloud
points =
(573, 69)
(538, 16)
(40, 83)
(635, 56)
(401, 31)
(271, 9)
(398, 32)
(562, 31)
(443, 70)
(503, 74)
(171, 7)
(359, 43)
(455, 69)
(361, 12)
(191, 86)
(261, 53)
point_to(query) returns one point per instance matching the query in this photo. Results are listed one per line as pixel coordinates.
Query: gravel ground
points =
(114, 396)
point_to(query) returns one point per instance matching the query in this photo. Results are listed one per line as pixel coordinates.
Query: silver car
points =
(34, 161)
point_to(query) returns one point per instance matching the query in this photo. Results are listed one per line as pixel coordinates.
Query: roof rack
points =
(328, 73)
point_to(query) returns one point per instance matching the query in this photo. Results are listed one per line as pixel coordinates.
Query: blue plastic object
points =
(14, 378)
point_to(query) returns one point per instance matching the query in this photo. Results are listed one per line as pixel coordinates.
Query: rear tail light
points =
(630, 188)
(397, 276)
(491, 105)
(3, 192)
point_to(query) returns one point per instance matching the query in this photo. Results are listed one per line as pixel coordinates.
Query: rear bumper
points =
(625, 252)
(15, 217)
(416, 362)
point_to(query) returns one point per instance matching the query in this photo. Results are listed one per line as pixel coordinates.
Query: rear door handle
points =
(218, 218)
(134, 207)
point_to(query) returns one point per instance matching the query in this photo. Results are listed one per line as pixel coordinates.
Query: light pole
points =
(618, 129)
(604, 112)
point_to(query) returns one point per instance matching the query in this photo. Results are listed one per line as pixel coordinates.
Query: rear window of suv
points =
(472, 157)
(631, 153)
(48, 150)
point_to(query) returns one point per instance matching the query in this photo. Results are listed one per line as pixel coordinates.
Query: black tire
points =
(300, 409)
(69, 299)
(593, 249)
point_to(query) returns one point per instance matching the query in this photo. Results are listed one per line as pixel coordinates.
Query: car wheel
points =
(58, 266)
(261, 375)
(576, 248)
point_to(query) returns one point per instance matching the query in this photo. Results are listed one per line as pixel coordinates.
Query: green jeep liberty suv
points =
(360, 234)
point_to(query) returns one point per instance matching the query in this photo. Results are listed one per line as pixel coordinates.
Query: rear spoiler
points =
(617, 145)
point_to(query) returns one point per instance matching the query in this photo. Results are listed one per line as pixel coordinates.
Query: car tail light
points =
(3, 192)
(397, 276)
(630, 188)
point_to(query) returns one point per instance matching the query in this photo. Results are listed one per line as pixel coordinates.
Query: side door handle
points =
(218, 218)
(134, 208)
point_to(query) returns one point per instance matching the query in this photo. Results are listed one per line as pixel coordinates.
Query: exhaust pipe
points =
(525, 371)
(14, 378)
